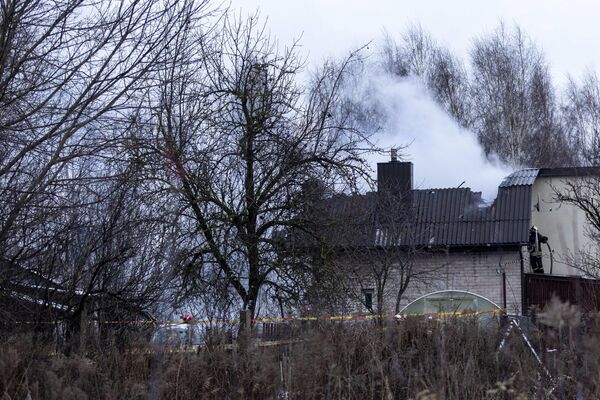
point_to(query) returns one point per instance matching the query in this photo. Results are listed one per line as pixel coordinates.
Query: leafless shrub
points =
(414, 359)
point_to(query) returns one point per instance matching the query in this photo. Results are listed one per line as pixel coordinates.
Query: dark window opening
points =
(368, 299)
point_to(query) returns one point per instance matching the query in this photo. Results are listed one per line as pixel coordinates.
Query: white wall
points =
(563, 224)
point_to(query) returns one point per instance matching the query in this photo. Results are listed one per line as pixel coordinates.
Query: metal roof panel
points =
(519, 178)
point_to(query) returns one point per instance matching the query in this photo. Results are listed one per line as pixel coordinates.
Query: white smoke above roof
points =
(443, 153)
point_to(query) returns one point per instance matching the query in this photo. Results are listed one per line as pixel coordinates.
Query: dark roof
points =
(569, 171)
(455, 217)
(458, 217)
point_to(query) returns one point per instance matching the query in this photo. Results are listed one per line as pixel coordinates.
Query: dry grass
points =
(416, 359)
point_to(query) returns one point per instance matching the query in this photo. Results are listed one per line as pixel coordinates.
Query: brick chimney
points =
(395, 177)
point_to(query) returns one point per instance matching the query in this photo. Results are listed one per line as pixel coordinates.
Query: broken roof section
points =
(457, 217)
(452, 217)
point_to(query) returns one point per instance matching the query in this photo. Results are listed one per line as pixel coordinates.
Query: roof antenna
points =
(394, 154)
(462, 183)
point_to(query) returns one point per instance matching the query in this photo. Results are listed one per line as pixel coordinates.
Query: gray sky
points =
(444, 154)
(567, 31)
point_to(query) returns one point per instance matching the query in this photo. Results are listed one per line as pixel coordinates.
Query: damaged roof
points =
(452, 217)
(458, 217)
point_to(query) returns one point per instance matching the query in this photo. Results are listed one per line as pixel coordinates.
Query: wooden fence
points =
(540, 288)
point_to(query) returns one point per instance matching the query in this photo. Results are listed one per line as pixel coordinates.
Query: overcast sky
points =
(566, 31)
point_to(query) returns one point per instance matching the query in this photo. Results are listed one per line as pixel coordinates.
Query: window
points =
(368, 293)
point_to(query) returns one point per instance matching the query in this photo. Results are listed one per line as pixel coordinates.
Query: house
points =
(59, 311)
(401, 243)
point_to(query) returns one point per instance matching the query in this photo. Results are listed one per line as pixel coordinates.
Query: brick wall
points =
(479, 272)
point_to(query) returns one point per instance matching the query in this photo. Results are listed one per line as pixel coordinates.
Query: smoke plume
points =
(443, 153)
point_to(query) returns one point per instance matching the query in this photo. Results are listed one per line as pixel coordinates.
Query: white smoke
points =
(443, 153)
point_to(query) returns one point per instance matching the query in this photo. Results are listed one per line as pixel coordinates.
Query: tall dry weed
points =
(413, 359)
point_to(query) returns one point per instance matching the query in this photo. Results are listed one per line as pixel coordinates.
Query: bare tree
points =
(240, 137)
(581, 114)
(513, 101)
(68, 73)
(416, 53)
(385, 263)
(548, 143)
(448, 80)
(74, 226)
(364, 250)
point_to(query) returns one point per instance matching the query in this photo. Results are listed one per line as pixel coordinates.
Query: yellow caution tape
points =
(279, 319)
